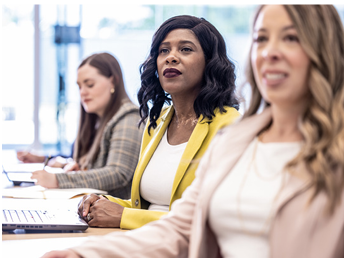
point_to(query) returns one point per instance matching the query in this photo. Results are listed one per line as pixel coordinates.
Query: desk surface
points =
(20, 234)
(34, 248)
(20, 243)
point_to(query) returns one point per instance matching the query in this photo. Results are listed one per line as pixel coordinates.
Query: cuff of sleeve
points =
(124, 203)
(136, 218)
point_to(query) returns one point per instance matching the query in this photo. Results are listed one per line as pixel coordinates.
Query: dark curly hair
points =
(218, 81)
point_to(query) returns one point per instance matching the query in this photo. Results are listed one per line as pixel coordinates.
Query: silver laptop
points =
(38, 218)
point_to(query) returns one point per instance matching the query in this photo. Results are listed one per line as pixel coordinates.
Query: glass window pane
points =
(17, 76)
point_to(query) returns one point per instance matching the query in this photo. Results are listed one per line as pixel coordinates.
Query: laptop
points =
(41, 217)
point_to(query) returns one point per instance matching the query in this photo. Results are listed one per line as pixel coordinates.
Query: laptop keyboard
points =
(31, 216)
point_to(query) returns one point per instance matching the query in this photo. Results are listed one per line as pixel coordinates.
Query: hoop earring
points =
(112, 90)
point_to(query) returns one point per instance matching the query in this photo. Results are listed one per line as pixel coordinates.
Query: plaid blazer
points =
(114, 167)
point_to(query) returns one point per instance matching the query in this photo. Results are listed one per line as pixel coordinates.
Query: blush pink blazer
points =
(297, 230)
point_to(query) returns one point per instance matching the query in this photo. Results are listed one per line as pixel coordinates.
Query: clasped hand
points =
(100, 212)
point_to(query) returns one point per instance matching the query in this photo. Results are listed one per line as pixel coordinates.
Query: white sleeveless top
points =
(157, 179)
(240, 208)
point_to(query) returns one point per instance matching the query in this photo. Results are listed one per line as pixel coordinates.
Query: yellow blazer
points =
(135, 212)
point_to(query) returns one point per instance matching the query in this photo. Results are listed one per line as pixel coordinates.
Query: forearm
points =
(121, 159)
(150, 242)
(107, 178)
(167, 237)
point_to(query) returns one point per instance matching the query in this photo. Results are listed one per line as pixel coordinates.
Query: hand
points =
(85, 203)
(57, 162)
(105, 214)
(27, 157)
(45, 179)
(102, 212)
(71, 166)
(61, 254)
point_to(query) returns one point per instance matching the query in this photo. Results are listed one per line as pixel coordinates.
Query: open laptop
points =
(40, 217)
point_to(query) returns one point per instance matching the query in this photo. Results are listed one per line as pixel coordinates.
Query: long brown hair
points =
(321, 35)
(87, 143)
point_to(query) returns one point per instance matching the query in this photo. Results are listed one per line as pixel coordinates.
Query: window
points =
(18, 74)
(122, 30)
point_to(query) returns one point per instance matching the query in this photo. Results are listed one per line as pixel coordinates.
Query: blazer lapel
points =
(292, 188)
(153, 143)
(194, 144)
(227, 152)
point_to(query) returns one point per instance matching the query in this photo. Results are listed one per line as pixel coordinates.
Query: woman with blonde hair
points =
(280, 192)
(108, 142)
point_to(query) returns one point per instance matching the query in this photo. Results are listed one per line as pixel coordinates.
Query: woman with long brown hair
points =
(107, 146)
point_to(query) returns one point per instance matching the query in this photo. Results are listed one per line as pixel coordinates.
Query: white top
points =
(157, 179)
(240, 208)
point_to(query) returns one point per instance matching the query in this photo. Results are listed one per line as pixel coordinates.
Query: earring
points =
(112, 90)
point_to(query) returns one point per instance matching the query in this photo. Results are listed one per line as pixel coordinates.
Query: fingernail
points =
(84, 213)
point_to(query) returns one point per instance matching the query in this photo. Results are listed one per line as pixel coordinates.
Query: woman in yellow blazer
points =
(189, 67)
(135, 213)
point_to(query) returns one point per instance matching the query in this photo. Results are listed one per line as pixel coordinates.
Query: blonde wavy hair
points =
(321, 35)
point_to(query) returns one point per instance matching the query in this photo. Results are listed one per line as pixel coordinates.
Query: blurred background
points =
(42, 46)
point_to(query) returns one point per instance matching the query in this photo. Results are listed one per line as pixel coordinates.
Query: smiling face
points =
(95, 89)
(280, 64)
(181, 63)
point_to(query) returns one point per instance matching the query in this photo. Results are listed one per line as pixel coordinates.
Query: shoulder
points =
(128, 109)
(242, 127)
(230, 116)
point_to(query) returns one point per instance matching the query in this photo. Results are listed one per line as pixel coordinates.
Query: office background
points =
(43, 45)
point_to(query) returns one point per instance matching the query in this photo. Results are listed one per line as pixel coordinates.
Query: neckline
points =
(164, 138)
(275, 143)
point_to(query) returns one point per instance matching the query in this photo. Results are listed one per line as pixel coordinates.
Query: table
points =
(20, 234)
(20, 243)
(34, 245)
(35, 248)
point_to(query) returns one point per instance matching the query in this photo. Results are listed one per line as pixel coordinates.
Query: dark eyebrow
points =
(85, 81)
(180, 42)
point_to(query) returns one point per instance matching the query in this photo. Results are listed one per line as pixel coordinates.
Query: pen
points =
(46, 161)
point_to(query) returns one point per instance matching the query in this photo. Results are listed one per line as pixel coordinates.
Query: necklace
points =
(239, 214)
(254, 164)
(191, 120)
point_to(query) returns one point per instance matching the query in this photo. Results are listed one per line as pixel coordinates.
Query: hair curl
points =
(321, 35)
(219, 78)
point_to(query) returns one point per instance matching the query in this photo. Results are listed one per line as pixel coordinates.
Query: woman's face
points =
(280, 65)
(95, 89)
(181, 63)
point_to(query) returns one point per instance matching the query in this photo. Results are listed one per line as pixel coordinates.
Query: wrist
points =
(56, 181)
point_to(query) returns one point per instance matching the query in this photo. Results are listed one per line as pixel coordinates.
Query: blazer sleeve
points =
(121, 160)
(167, 237)
(133, 218)
(136, 218)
